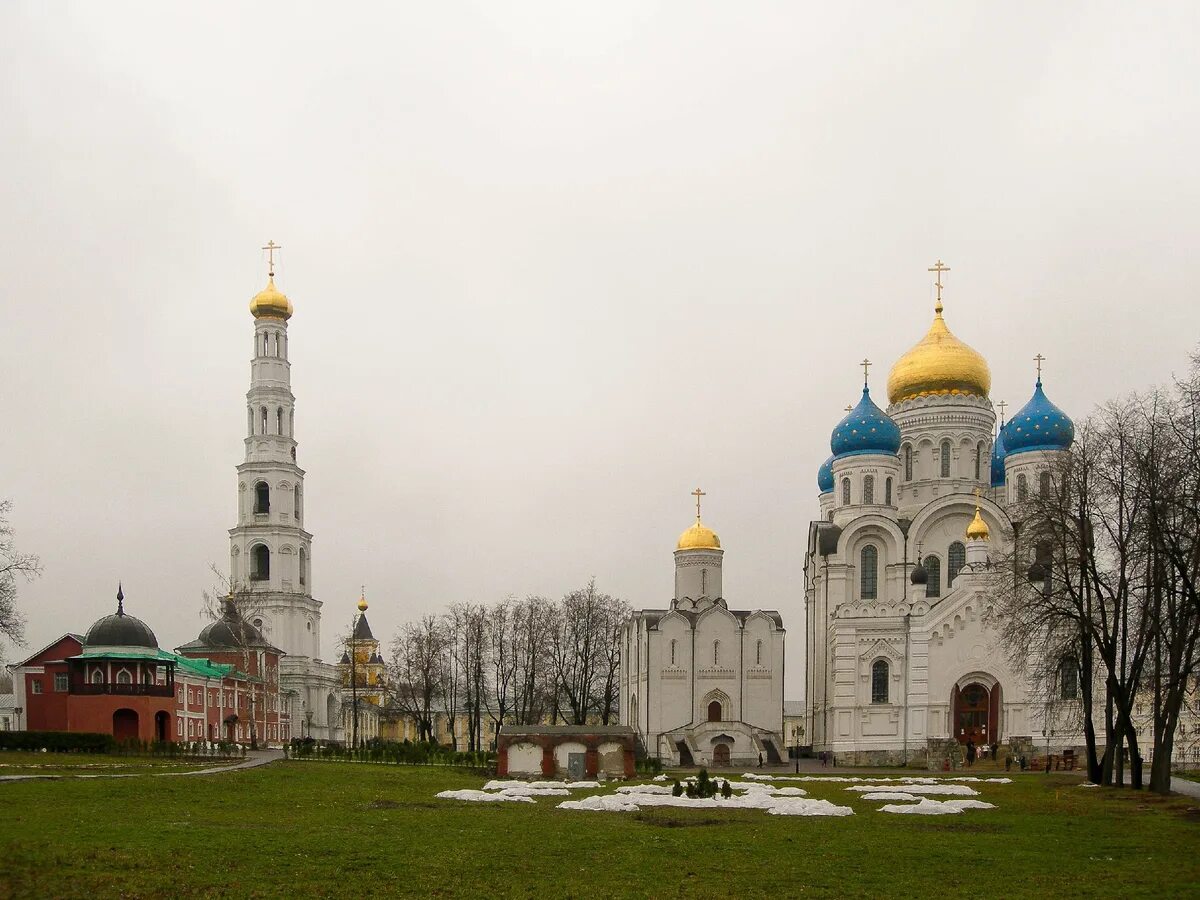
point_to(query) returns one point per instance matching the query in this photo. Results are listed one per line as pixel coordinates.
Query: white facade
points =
(270, 550)
(701, 683)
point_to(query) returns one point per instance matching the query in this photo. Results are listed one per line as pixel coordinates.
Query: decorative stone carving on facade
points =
(674, 673)
(716, 672)
(878, 647)
(759, 672)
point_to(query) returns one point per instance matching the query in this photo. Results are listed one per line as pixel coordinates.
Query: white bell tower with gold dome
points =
(270, 550)
(698, 556)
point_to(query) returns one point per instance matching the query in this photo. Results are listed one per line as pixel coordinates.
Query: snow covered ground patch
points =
(891, 795)
(960, 790)
(601, 803)
(527, 791)
(926, 807)
(482, 797)
(775, 805)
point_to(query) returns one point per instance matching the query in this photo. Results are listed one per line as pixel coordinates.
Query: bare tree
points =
(418, 651)
(533, 681)
(14, 566)
(237, 606)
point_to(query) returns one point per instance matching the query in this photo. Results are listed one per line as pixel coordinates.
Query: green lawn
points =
(334, 829)
(21, 762)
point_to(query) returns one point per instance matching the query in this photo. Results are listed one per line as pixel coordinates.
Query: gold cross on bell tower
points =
(1039, 359)
(271, 247)
(697, 493)
(939, 267)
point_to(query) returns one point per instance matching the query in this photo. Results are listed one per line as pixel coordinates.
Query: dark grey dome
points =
(231, 630)
(120, 630)
(918, 574)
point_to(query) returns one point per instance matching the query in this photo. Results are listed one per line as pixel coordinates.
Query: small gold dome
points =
(270, 303)
(362, 604)
(699, 537)
(939, 364)
(978, 529)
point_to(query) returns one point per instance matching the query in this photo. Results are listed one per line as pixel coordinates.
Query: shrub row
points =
(57, 741)
(406, 753)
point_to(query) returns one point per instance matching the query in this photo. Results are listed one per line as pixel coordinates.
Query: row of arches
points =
(716, 652)
(868, 491)
(262, 498)
(1045, 483)
(260, 564)
(264, 421)
(978, 458)
(868, 570)
(271, 343)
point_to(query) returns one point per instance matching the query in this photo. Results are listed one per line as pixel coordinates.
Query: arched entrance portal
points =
(976, 713)
(714, 712)
(125, 724)
(721, 755)
(162, 724)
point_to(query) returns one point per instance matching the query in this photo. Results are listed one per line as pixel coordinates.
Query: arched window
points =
(758, 653)
(263, 413)
(296, 501)
(869, 489)
(673, 652)
(123, 677)
(908, 462)
(945, 459)
(303, 566)
(1022, 487)
(879, 681)
(279, 419)
(250, 421)
(277, 343)
(955, 560)
(262, 563)
(1044, 484)
(262, 497)
(869, 573)
(1068, 678)
(716, 651)
(714, 711)
(933, 568)
(97, 677)
(978, 460)
(845, 492)
(887, 492)
(291, 421)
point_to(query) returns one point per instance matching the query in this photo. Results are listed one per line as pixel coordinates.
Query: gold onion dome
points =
(939, 364)
(699, 537)
(271, 303)
(978, 529)
(362, 604)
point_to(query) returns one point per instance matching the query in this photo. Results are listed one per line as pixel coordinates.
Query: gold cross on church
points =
(866, 364)
(939, 267)
(697, 493)
(1003, 404)
(271, 248)
(1039, 359)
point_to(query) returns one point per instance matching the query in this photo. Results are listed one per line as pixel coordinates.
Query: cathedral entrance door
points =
(972, 706)
(721, 755)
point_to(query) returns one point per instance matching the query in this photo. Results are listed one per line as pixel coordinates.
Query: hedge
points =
(58, 741)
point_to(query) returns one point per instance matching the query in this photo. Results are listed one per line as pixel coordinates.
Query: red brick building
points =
(116, 680)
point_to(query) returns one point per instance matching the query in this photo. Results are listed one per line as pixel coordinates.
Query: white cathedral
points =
(916, 504)
(702, 683)
(270, 550)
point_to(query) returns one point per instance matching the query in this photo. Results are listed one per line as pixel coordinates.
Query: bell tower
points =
(270, 551)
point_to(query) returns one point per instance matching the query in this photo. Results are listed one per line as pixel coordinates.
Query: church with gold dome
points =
(917, 504)
(702, 684)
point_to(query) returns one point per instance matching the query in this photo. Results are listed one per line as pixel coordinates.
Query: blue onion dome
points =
(825, 476)
(866, 429)
(998, 454)
(1040, 425)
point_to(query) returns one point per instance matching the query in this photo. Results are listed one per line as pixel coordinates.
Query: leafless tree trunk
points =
(418, 654)
(240, 605)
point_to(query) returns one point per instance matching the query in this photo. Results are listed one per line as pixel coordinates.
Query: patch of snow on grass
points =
(891, 795)
(482, 797)
(966, 803)
(926, 807)
(806, 807)
(960, 790)
(526, 791)
(790, 792)
(601, 803)
(644, 789)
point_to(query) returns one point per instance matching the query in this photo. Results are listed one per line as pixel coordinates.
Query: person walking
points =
(970, 753)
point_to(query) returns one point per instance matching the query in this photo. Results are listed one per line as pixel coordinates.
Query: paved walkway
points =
(254, 758)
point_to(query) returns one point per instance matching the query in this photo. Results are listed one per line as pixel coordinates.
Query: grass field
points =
(333, 829)
(31, 763)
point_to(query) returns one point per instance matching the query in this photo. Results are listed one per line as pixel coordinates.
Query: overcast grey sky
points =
(553, 267)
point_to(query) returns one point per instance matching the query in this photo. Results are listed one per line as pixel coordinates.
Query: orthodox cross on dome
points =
(866, 364)
(271, 247)
(697, 493)
(939, 267)
(1039, 359)
(120, 600)
(1003, 404)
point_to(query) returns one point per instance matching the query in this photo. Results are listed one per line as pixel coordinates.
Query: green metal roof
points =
(205, 668)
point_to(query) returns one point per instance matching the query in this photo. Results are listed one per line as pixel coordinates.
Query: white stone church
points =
(702, 683)
(916, 502)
